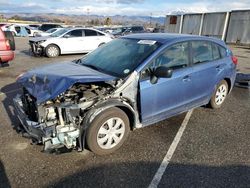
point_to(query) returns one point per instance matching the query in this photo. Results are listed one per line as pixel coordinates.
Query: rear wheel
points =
(52, 51)
(108, 131)
(219, 95)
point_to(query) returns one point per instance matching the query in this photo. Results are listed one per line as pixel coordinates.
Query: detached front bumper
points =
(31, 127)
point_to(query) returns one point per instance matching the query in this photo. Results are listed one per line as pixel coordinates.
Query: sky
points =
(120, 7)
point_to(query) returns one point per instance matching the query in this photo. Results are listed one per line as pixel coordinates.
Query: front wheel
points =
(52, 51)
(219, 95)
(108, 131)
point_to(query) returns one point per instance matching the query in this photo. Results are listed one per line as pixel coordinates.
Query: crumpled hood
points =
(47, 82)
(37, 39)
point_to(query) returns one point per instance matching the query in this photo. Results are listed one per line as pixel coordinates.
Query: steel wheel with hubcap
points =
(219, 95)
(52, 51)
(108, 131)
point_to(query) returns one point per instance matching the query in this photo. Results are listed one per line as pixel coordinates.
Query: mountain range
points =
(86, 19)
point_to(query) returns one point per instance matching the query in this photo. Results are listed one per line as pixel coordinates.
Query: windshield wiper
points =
(77, 61)
(91, 66)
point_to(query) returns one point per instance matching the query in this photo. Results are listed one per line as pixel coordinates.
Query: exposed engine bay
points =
(61, 121)
(61, 118)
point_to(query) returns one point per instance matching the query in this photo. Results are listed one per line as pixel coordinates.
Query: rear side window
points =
(223, 51)
(75, 33)
(89, 33)
(216, 52)
(202, 52)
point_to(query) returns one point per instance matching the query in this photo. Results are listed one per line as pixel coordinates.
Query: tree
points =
(108, 21)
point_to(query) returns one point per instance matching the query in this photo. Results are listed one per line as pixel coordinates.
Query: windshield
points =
(120, 57)
(51, 30)
(59, 32)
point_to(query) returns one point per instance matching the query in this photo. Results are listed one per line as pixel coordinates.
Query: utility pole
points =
(88, 10)
(150, 19)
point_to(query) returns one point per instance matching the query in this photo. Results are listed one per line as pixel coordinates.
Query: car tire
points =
(52, 50)
(108, 131)
(219, 95)
(9, 36)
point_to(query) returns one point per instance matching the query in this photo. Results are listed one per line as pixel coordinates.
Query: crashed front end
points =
(58, 122)
(36, 48)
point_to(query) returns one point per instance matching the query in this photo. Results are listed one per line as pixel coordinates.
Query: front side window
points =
(202, 52)
(174, 57)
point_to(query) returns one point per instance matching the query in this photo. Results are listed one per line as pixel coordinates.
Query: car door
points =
(91, 40)
(169, 95)
(206, 67)
(71, 42)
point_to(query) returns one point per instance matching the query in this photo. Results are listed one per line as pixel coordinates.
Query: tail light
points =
(7, 43)
(235, 60)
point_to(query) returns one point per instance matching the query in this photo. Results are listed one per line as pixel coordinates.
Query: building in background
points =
(232, 27)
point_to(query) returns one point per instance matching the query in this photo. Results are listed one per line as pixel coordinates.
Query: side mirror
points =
(66, 36)
(163, 72)
(160, 72)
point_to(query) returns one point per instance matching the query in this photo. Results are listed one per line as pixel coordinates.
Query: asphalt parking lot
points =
(214, 150)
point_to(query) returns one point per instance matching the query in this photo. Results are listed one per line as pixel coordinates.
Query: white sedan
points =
(69, 41)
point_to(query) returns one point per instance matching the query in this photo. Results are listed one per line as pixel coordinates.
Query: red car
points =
(7, 47)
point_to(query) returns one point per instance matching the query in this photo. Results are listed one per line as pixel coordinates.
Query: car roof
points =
(169, 37)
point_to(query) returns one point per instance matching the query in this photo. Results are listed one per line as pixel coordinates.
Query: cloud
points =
(121, 7)
(24, 7)
(103, 10)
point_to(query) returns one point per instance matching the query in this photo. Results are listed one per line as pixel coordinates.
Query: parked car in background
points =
(48, 32)
(69, 41)
(4, 26)
(45, 27)
(22, 30)
(7, 47)
(34, 26)
(119, 31)
(134, 29)
(131, 82)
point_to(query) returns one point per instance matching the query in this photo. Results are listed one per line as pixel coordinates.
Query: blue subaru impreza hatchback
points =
(128, 83)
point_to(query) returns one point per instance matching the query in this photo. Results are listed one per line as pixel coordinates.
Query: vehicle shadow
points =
(10, 91)
(4, 181)
(140, 174)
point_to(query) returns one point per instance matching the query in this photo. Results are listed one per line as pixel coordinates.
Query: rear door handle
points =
(186, 78)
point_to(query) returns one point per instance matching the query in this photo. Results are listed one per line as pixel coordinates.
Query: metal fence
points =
(232, 27)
